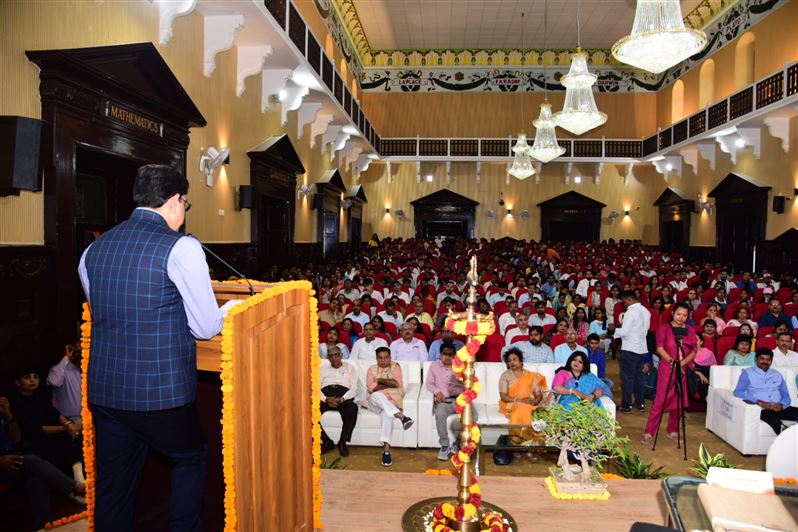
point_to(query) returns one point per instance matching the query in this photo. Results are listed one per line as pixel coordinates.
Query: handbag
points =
(692, 382)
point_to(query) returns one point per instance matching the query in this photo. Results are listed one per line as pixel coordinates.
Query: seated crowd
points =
(41, 444)
(574, 306)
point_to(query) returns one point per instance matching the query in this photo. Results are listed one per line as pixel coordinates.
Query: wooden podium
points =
(271, 479)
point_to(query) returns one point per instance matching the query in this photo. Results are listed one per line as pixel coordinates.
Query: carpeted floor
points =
(666, 453)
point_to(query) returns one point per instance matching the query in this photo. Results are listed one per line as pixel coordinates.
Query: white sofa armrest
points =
(737, 422)
(427, 434)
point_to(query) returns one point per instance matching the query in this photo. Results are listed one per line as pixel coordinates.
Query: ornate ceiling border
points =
(479, 70)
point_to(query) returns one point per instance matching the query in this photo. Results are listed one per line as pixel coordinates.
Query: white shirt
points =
(346, 375)
(548, 319)
(784, 360)
(495, 298)
(512, 333)
(397, 320)
(505, 320)
(678, 285)
(364, 350)
(583, 287)
(412, 350)
(634, 328)
(361, 318)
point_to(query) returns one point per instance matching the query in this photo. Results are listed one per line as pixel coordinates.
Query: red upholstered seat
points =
(556, 340)
(724, 344)
(768, 342)
(791, 309)
(731, 331)
(784, 295)
(491, 350)
(759, 310)
(357, 327)
(764, 331)
(391, 329)
(383, 336)
(547, 328)
(734, 295)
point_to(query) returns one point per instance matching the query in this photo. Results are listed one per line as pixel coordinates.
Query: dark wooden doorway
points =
(355, 199)
(741, 203)
(570, 217)
(675, 210)
(329, 188)
(274, 167)
(106, 110)
(444, 213)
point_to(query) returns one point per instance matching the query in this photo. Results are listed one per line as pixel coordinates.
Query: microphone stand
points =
(675, 383)
(224, 262)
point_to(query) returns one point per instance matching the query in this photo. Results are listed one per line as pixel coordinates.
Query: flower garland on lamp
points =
(228, 404)
(88, 431)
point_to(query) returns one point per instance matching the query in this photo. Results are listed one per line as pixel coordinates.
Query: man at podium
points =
(150, 296)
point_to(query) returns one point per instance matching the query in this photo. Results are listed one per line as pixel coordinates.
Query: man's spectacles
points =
(186, 204)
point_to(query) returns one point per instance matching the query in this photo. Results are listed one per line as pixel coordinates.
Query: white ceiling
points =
(481, 24)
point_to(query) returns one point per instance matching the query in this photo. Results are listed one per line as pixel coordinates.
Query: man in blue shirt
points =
(447, 337)
(774, 314)
(150, 297)
(765, 387)
(563, 351)
(597, 356)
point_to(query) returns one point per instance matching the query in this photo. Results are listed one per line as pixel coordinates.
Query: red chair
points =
(767, 341)
(617, 311)
(422, 338)
(556, 340)
(795, 334)
(708, 295)
(429, 306)
(491, 350)
(731, 331)
(323, 306)
(547, 328)
(510, 328)
(734, 295)
(426, 331)
(731, 312)
(550, 311)
(759, 310)
(500, 308)
(764, 331)
(390, 328)
(784, 295)
(724, 345)
(791, 309)
(519, 338)
(345, 339)
(709, 343)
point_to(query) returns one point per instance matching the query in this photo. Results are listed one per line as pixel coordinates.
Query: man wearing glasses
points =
(150, 296)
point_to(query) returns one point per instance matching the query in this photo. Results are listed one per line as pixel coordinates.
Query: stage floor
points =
(376, 500)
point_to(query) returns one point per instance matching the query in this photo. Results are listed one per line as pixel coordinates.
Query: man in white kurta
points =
(366, 348)
(385, 385)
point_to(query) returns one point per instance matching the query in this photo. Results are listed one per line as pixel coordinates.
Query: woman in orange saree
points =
(521, 392)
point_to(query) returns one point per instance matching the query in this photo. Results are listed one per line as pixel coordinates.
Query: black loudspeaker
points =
(246, 197)
(318, 201)
(20, 154)
(778, 204)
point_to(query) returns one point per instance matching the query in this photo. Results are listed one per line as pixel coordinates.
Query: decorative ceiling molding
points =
(251, 60)
(168, 12)
(779, 127)
(272, 82)
(220, 35)
(292, 101)
(318, 127)
(306, 114)
(488, 70)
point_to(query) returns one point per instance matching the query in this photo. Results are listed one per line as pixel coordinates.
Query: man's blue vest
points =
(143, 356)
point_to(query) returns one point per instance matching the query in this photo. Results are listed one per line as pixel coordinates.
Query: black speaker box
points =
(778, 204)
(318, 201)
(20, 154)
(246, 197)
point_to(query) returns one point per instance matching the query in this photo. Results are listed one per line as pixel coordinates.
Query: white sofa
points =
(367, 428)
(735, 421)
(487, 404)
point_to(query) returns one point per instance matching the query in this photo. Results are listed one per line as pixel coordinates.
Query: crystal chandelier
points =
(659, 39)
(522, 162)
(545, 148)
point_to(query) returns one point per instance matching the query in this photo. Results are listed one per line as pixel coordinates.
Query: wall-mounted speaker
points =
(778, 204)
(20, 154)
(318, 201)
(246, 197)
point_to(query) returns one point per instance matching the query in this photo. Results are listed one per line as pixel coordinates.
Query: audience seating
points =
(733, 420)
(367, 429)
(767, 341)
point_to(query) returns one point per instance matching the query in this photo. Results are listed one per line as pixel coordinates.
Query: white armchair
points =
(367, 428)
(735, 421)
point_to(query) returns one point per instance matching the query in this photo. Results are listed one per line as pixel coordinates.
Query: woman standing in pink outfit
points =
(667, 351)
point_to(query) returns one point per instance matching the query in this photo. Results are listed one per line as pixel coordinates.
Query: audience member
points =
(784, 356)
(541, 317)
(447, 337)
(408, 347)
(632, 332)
(390, 314)
(774, 314)
(65, 380)
(533, 351)
(445, 388)
(765, 387)
(741, 355)
(574, 382)
(339, 389)
(366, 348)
(704, 360)
(385, 385)
(333, 314)
(563, 351)
(597, 356)
(332, 340)
(357, 315)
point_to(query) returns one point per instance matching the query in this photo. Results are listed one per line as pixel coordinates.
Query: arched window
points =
(677, 101)
(744, 60)
(706, 83)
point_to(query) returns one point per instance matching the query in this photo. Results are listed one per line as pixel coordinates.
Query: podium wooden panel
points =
(272, 397)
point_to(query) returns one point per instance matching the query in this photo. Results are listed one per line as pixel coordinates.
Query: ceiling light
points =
(740, 142)
(659, 39)
(545, 148)
(429, 178)
(578, 179)
(522, 161)
(579, 112)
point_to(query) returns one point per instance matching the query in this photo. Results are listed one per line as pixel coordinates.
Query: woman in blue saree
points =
(574, 382)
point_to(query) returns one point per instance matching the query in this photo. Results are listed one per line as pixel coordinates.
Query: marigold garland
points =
(550, 483)
(785, 480)
(88, 430)
(228, 404)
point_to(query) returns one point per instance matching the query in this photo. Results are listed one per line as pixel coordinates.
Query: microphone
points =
(229, 266)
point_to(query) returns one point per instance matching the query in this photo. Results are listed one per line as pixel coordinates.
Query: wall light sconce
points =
(795, 192)
(626, 213)
(387, 210)
(702, 205)
(210, 160)
(509, 213)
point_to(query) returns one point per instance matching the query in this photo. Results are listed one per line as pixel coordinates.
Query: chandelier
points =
(545, 148)
(659, 39)
(522, 162)
(579, 113)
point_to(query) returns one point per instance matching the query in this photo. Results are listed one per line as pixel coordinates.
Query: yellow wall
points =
(518, 195)
(498, 115)
(232, 121)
